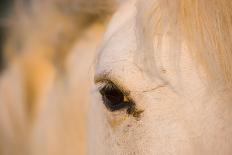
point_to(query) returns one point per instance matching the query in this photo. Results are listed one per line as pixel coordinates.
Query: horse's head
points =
(155, 87)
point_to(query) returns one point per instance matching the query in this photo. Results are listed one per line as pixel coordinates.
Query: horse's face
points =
(133, 113)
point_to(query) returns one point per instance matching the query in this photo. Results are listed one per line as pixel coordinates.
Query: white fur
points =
(180, 115)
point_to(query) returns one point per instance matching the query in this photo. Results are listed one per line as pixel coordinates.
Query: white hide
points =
(180, 116)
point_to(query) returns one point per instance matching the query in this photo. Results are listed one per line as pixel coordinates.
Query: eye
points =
(113, 98)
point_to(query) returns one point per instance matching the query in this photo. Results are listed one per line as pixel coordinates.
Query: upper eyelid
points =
(107, 78)
(107, 81)
(102, 77)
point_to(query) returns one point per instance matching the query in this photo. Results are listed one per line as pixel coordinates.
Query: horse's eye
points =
(113, 98)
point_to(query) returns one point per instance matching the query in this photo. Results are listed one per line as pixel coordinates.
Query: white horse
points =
(163, 80)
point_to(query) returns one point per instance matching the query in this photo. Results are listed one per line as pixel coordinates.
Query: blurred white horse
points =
(44, 88)
(163, 78)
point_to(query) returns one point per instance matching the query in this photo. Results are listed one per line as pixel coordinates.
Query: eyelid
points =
(106, 82)
(105, 78)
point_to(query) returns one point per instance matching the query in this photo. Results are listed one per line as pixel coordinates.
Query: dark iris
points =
(113, 98)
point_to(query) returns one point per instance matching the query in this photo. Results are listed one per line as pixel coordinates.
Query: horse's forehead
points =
(126, 13)
(119, 40)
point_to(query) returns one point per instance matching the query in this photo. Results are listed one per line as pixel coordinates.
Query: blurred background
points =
(5, 7)
(47, 50)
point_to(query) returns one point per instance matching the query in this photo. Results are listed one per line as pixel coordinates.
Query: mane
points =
(204, 26)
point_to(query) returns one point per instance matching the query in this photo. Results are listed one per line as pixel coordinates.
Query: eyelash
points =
(114, 99)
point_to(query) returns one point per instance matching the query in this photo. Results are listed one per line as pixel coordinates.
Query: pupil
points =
(114, 95)
(113, 98)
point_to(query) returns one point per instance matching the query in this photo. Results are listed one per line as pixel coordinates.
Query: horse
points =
(163, 80)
